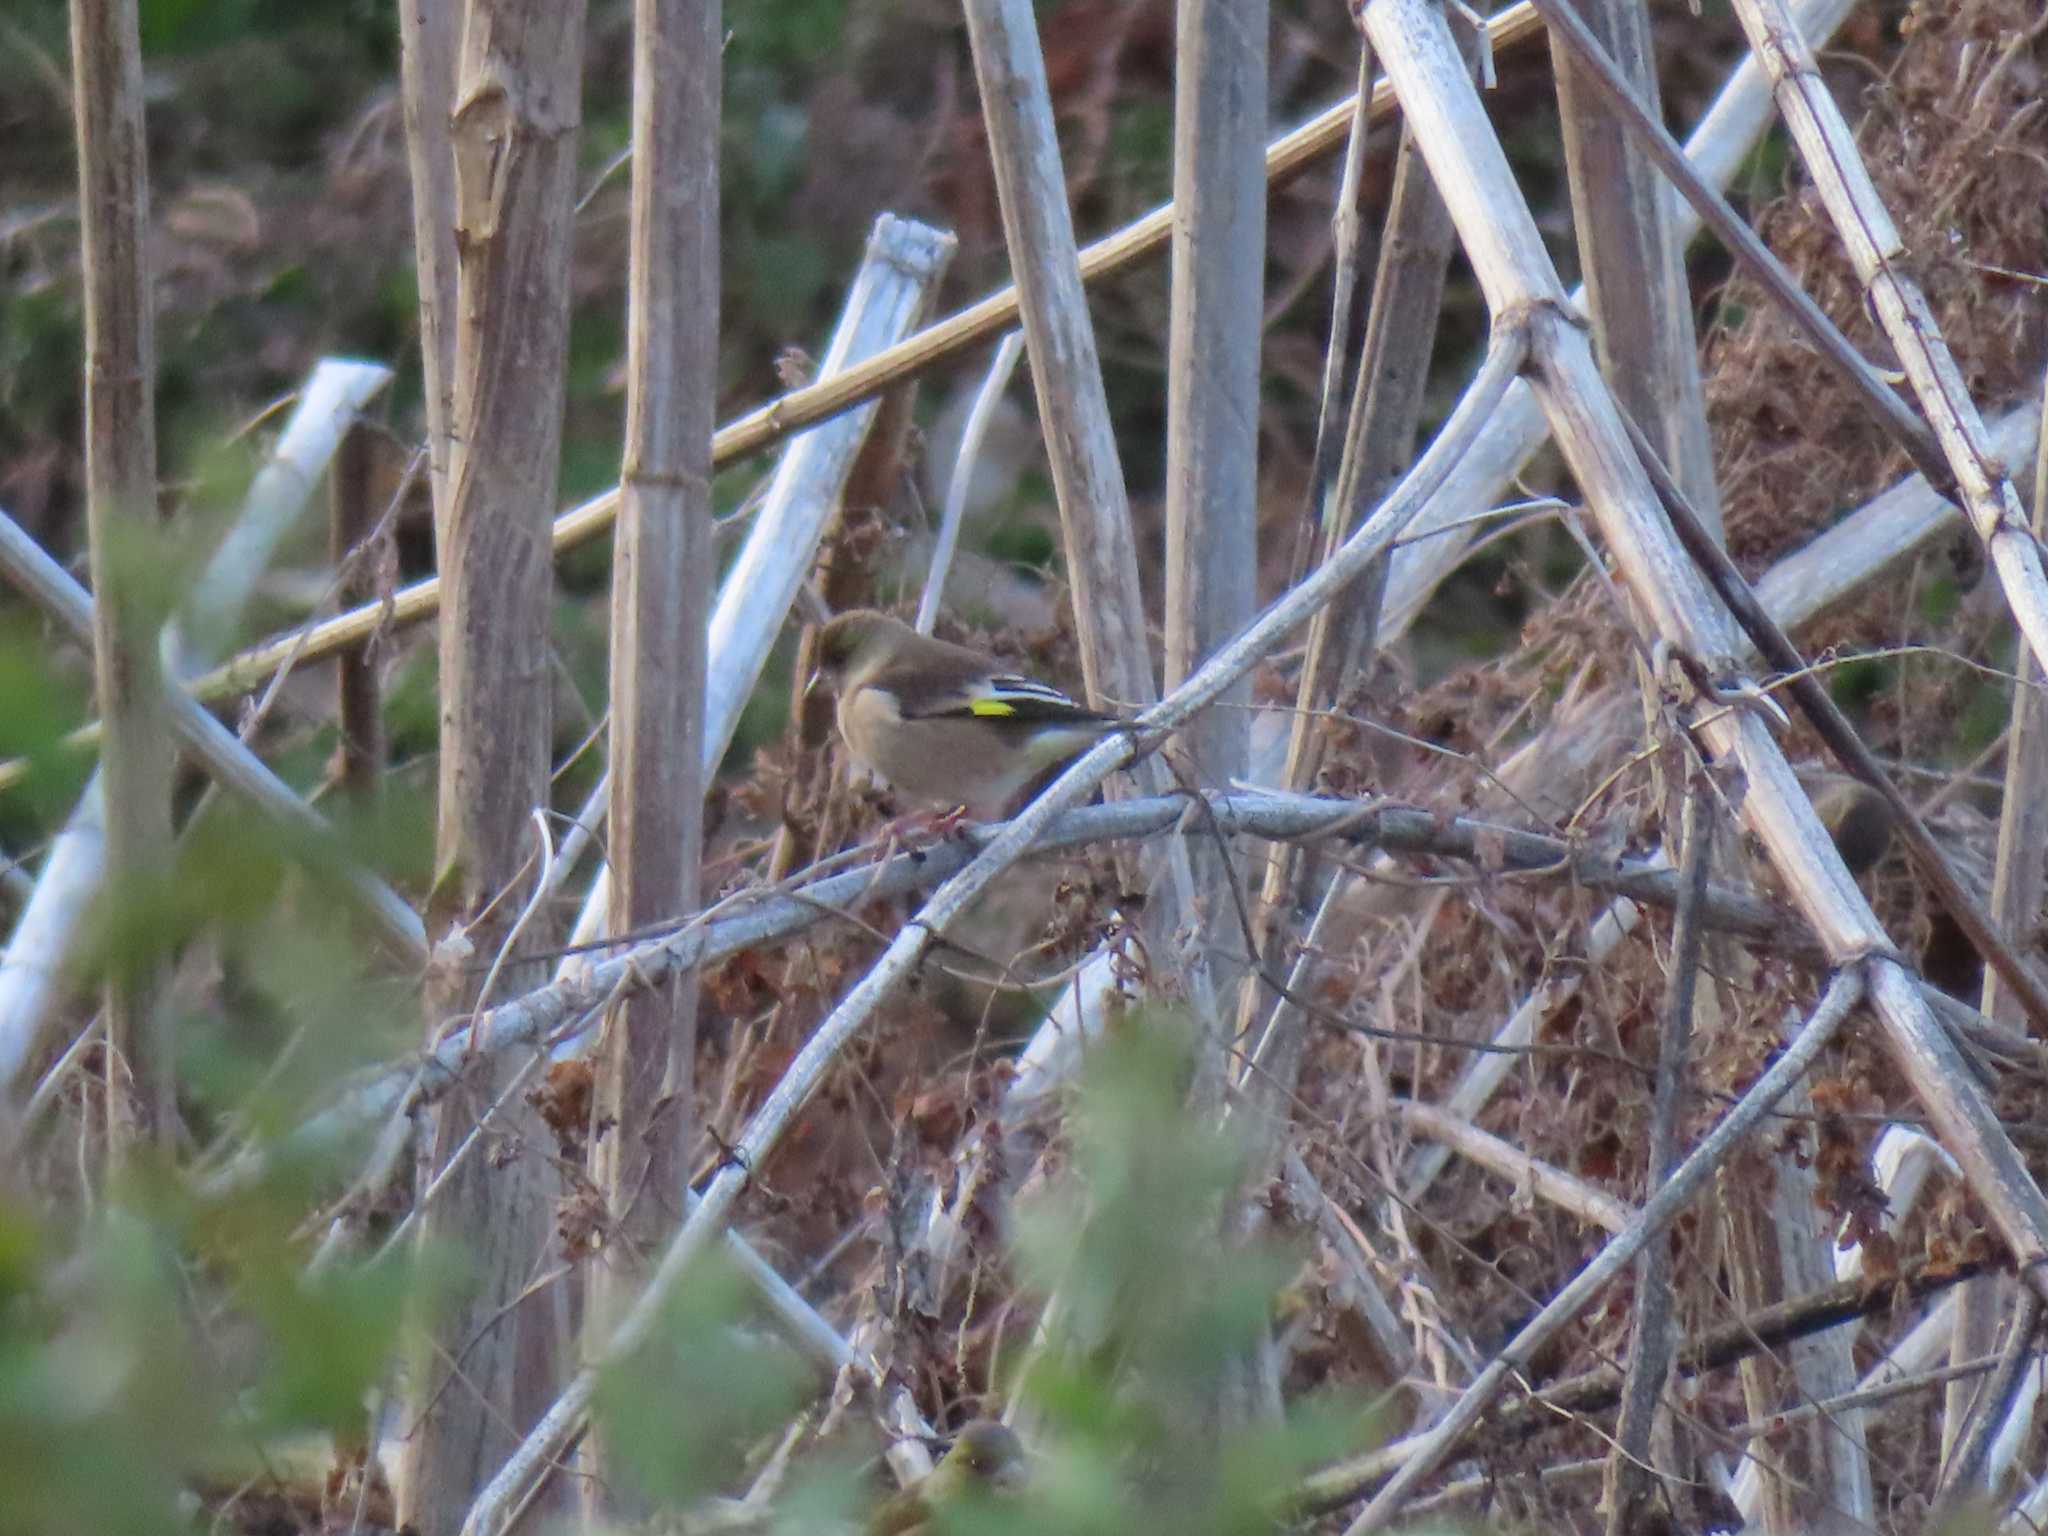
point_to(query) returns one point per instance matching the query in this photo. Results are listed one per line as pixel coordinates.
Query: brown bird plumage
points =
(944, 724)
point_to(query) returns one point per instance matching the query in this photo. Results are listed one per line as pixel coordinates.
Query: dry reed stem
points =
(121, 530)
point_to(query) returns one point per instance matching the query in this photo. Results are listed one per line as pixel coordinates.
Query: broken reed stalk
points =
(1348, 247)
(1066, 374)
(1567, 1191)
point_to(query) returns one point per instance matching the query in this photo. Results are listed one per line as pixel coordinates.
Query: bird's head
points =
(847, 640)
(989, 1454)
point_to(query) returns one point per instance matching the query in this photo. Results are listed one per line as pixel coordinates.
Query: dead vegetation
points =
(889, 1199)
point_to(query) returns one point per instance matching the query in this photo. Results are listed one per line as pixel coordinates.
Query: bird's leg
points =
(920, 829)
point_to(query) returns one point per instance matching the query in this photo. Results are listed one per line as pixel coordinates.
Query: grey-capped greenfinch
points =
(944, 724)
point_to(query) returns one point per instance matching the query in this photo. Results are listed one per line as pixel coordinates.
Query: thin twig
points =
(1629, 1479)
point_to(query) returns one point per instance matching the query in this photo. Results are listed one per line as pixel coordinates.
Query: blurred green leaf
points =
(681, 1410)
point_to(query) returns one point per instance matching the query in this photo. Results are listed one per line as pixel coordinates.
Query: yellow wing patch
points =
(991, 708)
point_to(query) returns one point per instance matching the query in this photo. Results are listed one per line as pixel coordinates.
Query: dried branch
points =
(1630, 1484)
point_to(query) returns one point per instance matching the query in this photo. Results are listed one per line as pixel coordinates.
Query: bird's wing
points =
(987, 696)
